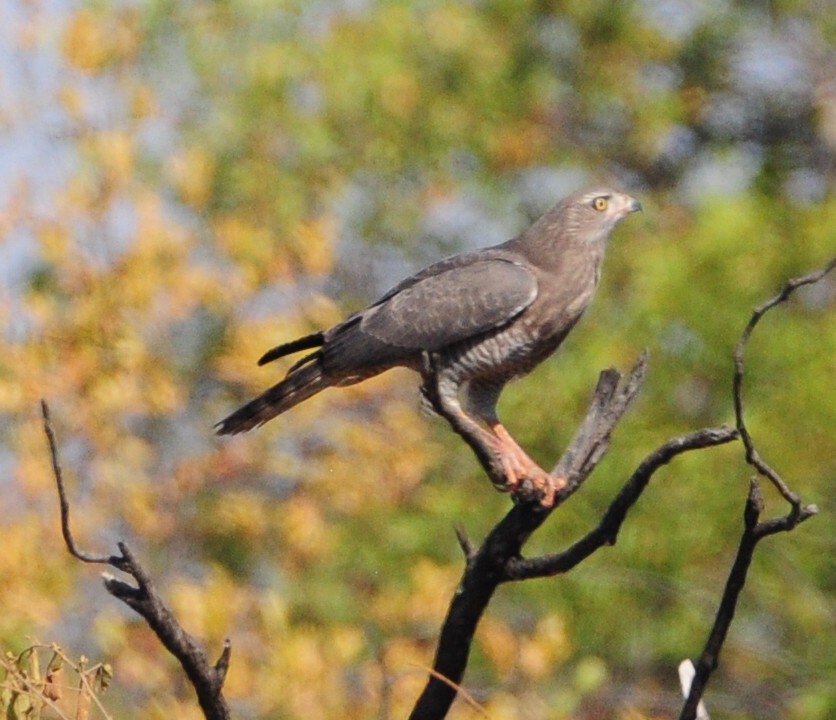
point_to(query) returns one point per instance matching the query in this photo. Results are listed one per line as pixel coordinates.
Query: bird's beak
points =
(634, 205)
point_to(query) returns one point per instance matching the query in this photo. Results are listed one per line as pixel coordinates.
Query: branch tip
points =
(468, 548)
(58, 474)
(222, 665)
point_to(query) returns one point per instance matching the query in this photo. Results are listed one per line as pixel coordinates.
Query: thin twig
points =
(206, 679)
(466, 696)
(752, 455)
(85, 680)
(69, 540)
(754, 529)
(467, 546)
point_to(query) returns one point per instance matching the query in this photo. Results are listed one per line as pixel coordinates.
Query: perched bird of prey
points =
(468, 324)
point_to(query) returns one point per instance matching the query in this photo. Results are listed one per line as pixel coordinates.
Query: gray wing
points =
(453, 304)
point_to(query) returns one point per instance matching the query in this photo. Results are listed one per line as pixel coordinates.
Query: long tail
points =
(300, 384)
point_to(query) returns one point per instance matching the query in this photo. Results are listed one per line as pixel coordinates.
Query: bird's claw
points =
(525, 480)
(542, 488)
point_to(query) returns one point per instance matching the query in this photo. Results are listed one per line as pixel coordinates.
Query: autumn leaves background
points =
(186, 184)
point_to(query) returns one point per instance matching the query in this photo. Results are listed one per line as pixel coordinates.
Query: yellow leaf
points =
(117, 153)
(192, 173)
(85, 41)
(314, 240)
(500, 644)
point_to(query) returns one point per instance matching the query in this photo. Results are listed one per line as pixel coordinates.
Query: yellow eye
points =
(600, 203)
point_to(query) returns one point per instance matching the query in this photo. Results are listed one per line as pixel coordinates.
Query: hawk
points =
(469, 324)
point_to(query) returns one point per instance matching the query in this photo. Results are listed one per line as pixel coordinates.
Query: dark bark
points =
(499, 559)
(207, 679)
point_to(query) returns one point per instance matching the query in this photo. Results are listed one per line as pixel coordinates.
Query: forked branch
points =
(754, 530)
(207, 679)
(500, 560)
(753, 457)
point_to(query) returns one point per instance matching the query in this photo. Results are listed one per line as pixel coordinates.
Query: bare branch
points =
(708, 659)
(606, 532)
(206, 679)
(69, 540)
(592, 440)
(752, 455)
(754, 530)
(490, 565)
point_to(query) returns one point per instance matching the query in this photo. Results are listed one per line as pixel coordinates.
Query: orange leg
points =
(518, 469)
(519, 466)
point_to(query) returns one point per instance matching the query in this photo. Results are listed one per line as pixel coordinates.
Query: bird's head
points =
(583, 222)
(584, 219)
(592, 214)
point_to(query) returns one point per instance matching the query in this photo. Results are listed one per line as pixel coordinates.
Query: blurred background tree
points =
(185, 184)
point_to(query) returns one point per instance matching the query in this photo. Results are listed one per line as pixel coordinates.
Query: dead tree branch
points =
(499, 558)
(754, 529)
(606, 532)
(752, 455)
(207, 679)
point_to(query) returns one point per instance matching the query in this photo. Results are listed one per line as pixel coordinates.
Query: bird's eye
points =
(600, 203)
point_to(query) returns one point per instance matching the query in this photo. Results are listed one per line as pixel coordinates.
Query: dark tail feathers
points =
(304, 343)
(299, 385)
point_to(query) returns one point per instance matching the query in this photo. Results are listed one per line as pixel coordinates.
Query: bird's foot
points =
(525, 480)
(533, 484)
(542, 489)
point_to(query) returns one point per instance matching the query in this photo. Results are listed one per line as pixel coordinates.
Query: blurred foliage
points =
(43, 682)
(197, 181)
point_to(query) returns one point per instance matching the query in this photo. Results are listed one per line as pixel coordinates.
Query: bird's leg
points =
(507, 464)
(520, 467)
(441, 391)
